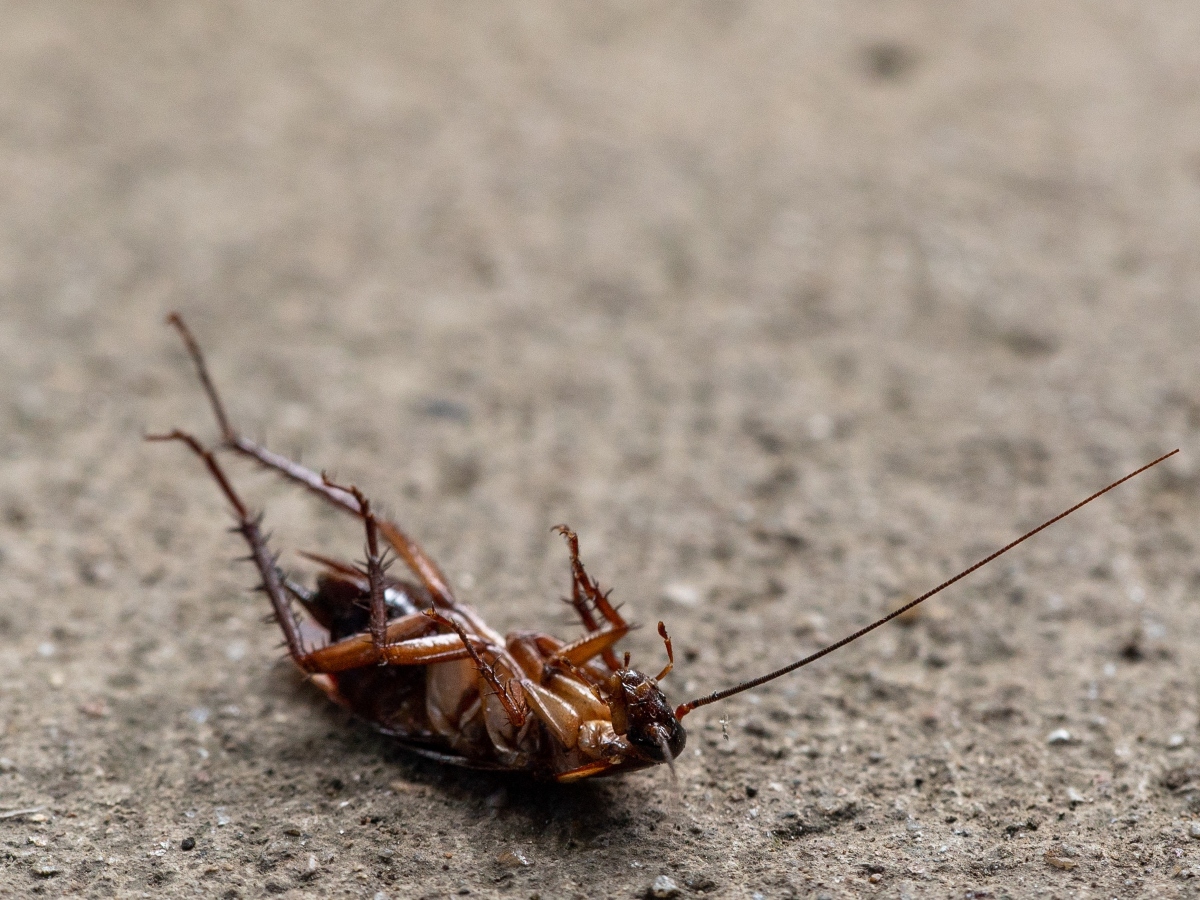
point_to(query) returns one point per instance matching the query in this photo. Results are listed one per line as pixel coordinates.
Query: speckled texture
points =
(790, 309)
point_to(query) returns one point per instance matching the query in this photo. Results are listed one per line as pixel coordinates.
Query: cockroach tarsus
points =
(417, 664)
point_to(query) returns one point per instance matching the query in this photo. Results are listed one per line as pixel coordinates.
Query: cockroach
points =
(409, 658)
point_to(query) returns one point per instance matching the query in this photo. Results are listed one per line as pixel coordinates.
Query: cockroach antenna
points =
(684, 708)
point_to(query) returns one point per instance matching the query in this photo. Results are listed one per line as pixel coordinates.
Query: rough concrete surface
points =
(791, 309)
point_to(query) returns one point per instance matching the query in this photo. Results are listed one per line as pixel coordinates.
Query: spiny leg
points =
(306, 597)
(585, 590)
(375, 568)
(585, 583)
(578, 597)
(403, 643)
(516, 716)
(414, 557)
(249, 527)
(597, 643)
(337, 567)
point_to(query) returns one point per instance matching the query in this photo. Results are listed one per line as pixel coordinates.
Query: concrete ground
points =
(791, 310)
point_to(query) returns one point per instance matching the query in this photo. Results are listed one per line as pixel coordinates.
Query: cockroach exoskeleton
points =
(417, 664)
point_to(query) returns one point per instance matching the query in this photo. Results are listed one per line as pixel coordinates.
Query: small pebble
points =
(1074, 796)
(1059, 862)
(45, 869)
(1059, 736)
(6, 764)
(664, 888)
(1194, 830)
(512, 859)
(1175, 741)
(188, 843)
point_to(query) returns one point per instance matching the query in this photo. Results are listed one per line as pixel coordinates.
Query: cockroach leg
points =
(249, 527)
(374, 569)
(662, 632)
(408, 644)
(559, 664)
(346, 571)
(544, 666)
(585, 590)
(587, 770)
(301, 594)
(298, 591)
(591, 590)
(419, 562)
(401, 644)
(560, 702)
(523, 649)
(579, 599)
(598, 643)
(555, 712)
(414, 557)
(516, 715)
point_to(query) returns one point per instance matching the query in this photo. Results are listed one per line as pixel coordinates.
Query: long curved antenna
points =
(197, 355)
(685, 708)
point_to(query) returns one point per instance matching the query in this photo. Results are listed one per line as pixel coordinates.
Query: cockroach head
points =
(640, 712)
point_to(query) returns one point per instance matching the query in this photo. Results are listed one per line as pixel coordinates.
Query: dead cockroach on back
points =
(427, 669)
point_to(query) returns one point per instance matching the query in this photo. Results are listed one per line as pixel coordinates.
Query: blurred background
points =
(790, 310)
